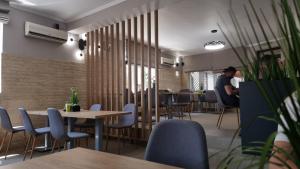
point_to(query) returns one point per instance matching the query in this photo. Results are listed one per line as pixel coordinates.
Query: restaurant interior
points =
(133, 83)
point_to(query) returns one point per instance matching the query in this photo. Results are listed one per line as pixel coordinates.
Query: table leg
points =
(47, 146)
(70, 129)
(98, 134)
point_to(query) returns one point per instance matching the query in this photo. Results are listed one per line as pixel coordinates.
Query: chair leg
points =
(65, 145)
(238, 116)
(53, 146)
(33, 146)
(26, 148)
(221, 118)
(3, 140)
(119, 152)
(9, 142)
(107, 139)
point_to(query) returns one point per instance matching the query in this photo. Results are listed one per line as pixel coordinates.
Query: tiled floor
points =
(218, 140)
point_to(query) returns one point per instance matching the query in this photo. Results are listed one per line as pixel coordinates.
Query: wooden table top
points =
(85, 114)
(80, 158)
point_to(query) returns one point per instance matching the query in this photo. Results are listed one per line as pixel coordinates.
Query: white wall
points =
(16, 44)
(211, 61)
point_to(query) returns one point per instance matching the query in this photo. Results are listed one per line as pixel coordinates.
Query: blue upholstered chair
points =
(89, 123)
(8, 129)
(125, 122)
(178, 143)
(57, 129)
(33, 132)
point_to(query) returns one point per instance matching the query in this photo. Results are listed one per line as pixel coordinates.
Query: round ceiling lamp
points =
(214, 45)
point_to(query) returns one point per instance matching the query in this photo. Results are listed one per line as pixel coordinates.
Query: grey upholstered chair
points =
(221, 106)
(125, 122)
(8, 129)
(33, 132)
(179, 143)
(57, 129)
(210, 98)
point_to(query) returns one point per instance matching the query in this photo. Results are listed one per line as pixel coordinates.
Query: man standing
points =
(227, 91)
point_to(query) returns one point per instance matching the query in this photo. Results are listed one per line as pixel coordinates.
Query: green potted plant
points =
(266, 77)
(74, 100)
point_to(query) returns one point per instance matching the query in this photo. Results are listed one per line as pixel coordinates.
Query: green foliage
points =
(255, 68)
(74, 100)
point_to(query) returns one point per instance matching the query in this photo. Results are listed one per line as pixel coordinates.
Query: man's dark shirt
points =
(230, 100)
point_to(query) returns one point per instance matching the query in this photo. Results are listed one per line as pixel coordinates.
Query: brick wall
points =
(37, 83)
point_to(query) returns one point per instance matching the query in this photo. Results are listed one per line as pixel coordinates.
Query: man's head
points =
(230, 71)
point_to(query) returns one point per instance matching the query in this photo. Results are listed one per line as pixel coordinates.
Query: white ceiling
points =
(65, 10)
(184, 25)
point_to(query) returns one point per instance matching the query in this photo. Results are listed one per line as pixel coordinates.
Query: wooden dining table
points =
(86, 159)
(98, 116)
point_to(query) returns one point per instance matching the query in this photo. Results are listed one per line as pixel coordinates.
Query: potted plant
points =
(276, 81)
(74, 100)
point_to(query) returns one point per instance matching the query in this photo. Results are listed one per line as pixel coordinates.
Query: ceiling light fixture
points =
(214, 45)
(25, 2)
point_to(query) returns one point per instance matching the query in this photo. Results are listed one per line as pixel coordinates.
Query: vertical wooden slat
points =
(107, 69)
(135, 71)
(118, 66)
(157, 113)
(123, 63)
(142, 75)
(101, 66)
(149, 71)
(88, 69)
(92, 67)
(97, 66)
(129, 59)
(112, 48)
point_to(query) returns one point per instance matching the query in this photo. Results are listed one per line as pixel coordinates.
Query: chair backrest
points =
(56, 124)
(26, 121)
(96, 107)
(210, 96)
(128, 119)
(219, 99)
(5, 120)
(184, 96)
(179, 143)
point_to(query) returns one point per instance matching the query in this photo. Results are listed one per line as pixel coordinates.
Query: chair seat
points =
(18, 129)
(43, 130)
(77, 135)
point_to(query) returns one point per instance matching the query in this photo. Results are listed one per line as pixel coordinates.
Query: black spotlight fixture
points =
(182, 63)
(81, 44)
(214, 31)
(71, 39)
(177, 64)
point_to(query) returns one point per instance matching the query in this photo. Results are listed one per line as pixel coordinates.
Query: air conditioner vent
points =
(46, 33)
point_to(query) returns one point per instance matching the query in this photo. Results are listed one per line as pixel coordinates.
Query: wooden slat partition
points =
(101, 67)
(118, 86)
(107, 69)
(112, 56)
(107, 50)
(157, 60)
(88, 65)
(129, 59)
(97, 67)
(123, 64)
(142, 76)
(149, 72)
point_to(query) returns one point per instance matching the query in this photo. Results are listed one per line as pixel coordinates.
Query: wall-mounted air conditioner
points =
(44, 32)
(4, 11)
(167, 61)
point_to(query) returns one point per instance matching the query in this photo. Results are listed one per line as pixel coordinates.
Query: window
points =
(1, 49)
(139, 71)
(203, 80)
